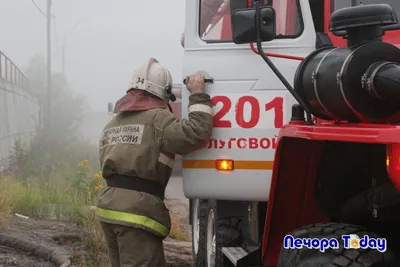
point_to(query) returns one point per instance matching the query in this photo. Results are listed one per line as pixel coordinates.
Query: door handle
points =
(206, 80)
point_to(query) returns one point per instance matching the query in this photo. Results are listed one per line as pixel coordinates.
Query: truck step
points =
(241, 257)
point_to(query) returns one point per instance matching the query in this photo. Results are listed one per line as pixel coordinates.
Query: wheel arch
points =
(293, 177)
(299, 167)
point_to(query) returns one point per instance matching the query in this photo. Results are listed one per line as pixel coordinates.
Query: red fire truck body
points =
(321, 169)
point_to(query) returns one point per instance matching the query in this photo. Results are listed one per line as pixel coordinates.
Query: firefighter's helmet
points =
(153, 78)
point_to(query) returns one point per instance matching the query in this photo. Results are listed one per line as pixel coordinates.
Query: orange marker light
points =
(224, 165)
(393, 164)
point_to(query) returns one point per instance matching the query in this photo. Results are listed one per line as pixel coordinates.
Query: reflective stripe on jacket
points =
(134, 209)
(137, 220)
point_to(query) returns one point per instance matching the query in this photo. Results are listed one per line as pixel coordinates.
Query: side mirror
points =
(244, 28)
(110, 108)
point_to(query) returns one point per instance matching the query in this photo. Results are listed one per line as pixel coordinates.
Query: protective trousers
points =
(133, 247)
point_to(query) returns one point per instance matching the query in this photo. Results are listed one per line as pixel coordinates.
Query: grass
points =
(55, 201)
(177, 231)
(45, 183)
(5, 202)
(93, 250)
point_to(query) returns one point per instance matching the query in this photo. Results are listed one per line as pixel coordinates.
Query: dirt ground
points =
(48, 233)
(12, 257)
(36, 231)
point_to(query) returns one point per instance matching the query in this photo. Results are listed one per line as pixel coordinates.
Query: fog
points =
(104, 41)
(50, 170)
(102, 51)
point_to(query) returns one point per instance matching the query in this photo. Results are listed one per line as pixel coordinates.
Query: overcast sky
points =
(102, 52)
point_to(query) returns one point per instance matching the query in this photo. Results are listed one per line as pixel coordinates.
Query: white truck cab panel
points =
(250, 103)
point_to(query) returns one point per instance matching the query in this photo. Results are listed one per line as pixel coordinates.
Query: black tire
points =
(341, 257)
(339, 180)
(199, 257)
(226, 233)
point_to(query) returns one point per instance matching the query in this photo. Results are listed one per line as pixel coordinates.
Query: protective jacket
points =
(137, 151)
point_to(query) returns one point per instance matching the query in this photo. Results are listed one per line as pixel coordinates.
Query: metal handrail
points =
(11, 73)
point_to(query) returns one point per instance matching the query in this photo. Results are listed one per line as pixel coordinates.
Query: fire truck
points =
(306, 142)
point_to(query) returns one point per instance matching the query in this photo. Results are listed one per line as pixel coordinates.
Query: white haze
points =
(101, 53)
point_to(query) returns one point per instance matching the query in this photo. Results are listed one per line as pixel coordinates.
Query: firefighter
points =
(137, 151)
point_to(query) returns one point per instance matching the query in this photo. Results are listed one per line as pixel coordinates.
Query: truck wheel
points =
(219, 232)
(341, 257)
(198, 232)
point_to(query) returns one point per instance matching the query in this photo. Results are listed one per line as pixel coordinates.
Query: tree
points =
(66, 107)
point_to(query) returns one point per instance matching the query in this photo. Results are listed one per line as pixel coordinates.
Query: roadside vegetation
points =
(57, 175)
(60, 183)
(57, 183)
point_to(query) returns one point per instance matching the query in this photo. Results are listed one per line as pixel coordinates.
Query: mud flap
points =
(240, 257)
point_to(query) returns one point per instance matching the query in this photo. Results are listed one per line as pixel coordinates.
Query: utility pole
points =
(63, 62)
(49, 63)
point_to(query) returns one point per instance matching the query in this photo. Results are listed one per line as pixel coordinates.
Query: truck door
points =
(250, 103)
